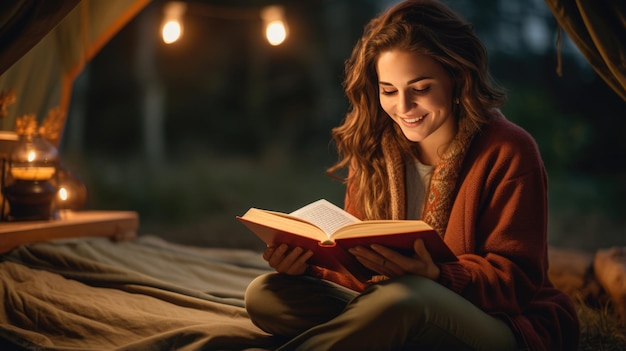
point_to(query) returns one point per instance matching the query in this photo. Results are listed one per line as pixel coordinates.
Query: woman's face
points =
(416, 92)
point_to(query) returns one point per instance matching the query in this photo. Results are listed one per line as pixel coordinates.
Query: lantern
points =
(30, 189)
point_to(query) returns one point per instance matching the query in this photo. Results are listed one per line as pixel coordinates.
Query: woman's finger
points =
(286, 260)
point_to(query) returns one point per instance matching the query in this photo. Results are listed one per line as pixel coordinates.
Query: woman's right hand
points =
(286, 260)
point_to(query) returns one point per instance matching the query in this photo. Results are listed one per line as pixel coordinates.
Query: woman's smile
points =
(413, 121)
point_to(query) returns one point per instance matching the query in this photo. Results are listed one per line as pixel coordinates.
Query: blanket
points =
(145, 294)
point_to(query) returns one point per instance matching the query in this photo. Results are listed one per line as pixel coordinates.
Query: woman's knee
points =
(262, 303)
(287, 305)
(255, 295)
(409, 295)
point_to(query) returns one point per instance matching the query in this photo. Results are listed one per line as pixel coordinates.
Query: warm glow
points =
(32, 173)
(62, 194)
(275, 24)
(172, 28)
(276, 33)
(31, 156)
(171, 32)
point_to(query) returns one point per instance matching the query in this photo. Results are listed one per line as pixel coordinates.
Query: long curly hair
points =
(425, 27)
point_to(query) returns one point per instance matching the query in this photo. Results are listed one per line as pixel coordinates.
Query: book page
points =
(325, 215)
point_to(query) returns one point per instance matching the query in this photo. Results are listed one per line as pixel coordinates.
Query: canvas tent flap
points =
(598, 28)
(42, 78)
(24, 23)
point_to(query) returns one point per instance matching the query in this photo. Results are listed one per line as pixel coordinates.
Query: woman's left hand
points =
(390, 263)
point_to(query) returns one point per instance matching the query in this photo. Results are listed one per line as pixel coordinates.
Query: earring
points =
(457, 101)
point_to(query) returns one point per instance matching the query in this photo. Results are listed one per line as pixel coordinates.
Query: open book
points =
(329, 232)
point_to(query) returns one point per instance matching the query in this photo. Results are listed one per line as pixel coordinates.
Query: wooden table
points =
(118, 225)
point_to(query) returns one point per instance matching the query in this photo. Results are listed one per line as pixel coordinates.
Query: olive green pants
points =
(398, 314)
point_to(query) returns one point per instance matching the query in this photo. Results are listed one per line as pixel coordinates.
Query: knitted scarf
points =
(443, 184)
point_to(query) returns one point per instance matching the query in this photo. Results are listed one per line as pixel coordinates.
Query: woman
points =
(424, 139)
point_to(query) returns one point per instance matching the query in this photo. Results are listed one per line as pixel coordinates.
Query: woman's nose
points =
(405, 103)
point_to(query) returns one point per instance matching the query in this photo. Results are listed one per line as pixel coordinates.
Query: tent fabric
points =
(24, 23)
(598, 28)
(42, 78)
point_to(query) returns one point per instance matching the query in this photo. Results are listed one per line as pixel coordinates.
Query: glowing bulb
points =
(276, 33)
(171, 32)
(31, 156)
(172, 28)
(275, 25)
(63, 194)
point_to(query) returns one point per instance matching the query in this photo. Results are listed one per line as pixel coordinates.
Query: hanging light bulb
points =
(275, 25)
(172, 27)
(171, 32)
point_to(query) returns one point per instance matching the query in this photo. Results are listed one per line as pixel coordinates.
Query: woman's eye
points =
(422, 90)
(387, 92)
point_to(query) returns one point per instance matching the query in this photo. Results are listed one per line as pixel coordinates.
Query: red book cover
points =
(332, 252)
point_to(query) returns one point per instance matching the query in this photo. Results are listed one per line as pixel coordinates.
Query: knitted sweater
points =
(498, 229)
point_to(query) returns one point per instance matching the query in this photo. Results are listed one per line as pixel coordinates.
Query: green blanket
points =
(147, 294)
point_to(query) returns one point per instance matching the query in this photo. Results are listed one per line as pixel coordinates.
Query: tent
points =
(45, 44)
(598, 28)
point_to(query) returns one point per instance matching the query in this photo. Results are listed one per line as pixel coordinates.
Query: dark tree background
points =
(193, 133)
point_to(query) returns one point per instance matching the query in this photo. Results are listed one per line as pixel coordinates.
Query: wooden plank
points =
(117, 225)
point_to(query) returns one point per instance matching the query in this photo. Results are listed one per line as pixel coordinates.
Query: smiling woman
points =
(420, 94)
(417, 93)
(247, 124)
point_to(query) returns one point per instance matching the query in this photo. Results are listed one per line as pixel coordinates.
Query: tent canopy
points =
(45, 44)
(598, 28)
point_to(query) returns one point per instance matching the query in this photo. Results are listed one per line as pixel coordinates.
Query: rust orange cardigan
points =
(498, 230)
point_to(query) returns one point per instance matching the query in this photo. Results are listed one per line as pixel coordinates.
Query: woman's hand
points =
(390, 263)
(286, 260)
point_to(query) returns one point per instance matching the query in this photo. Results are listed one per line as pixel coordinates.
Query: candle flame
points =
(31, 156)
(63, 194)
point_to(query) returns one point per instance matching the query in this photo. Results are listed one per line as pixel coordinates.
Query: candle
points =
(32, 173)
(62, 194)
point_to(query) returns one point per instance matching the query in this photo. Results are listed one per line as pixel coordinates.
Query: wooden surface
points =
(119, 225)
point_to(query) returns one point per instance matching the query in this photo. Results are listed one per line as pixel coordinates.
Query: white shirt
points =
(417, 181)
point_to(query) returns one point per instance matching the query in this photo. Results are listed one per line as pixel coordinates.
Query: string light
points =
(275, 28)
(172, 27)
(273, 18)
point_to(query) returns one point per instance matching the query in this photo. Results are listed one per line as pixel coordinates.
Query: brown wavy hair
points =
(425, 27)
